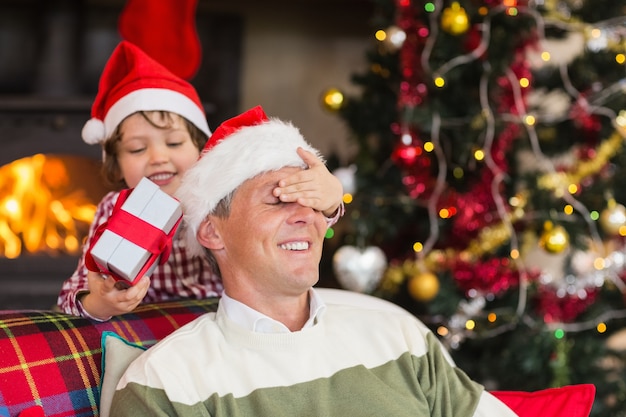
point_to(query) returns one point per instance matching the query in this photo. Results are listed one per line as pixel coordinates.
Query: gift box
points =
(138, 234)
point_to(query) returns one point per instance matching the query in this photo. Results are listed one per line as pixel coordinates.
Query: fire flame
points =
(39, 210)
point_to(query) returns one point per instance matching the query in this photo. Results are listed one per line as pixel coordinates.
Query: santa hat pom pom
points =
(93, 132)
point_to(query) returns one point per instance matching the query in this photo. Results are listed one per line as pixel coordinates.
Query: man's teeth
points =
(295, 246)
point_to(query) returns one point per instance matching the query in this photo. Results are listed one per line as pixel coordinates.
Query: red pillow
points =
(568, 401)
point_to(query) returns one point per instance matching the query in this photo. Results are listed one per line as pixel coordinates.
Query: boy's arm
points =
(104, 300)
(77, 285)
(338, 214)
(71, 291)
(315, 187)
(87, 293)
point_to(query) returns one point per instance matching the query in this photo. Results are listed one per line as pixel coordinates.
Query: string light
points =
(564, 184)
(501, 230)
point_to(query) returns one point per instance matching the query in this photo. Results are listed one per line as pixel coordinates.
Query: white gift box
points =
(125, 259)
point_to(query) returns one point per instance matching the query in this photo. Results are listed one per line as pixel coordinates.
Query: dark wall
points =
(56, 49)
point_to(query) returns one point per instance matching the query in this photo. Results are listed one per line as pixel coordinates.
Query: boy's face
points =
(267, 246)
(162, 155)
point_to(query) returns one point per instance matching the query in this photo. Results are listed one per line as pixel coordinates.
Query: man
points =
(274, 348)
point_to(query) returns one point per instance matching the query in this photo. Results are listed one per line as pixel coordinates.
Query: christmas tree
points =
(487, 193)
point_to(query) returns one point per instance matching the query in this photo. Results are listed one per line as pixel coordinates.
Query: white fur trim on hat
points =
(93, 132)
(243, 155)
(155, 99)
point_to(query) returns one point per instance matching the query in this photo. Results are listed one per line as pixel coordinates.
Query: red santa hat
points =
(175, 44)
(132, 81)
(239, 149)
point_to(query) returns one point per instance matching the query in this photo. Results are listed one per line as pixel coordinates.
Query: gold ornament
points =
(394, 275)
(332, 100)
(392, 279)
(613, 218)
(424, 286)
(554, 239)
(454, 19)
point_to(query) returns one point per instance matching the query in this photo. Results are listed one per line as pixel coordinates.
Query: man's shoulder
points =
(204, 322)
(373, 318)
(359, 304)
(334, 296)
(187, 335)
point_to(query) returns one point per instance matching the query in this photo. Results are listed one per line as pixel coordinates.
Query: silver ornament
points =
(394, 38)
(359, 269)
(347, 177)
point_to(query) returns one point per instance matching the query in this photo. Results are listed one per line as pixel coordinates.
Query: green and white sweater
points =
(353, 362)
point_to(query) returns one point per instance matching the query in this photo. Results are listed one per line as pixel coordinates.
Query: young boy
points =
(150, 123)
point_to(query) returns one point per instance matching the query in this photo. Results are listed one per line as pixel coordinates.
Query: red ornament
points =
(477, 205)
(408, 19)
(416, 166)
(493, 276)
(565, 309)
(473, 37)
(406, 156)
(587, 122)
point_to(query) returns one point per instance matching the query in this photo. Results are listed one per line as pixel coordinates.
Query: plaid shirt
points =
(180, 277)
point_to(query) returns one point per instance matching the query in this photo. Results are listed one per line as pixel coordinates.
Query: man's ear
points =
(208, 236)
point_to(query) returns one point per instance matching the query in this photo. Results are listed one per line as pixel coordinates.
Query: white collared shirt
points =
(258, 322)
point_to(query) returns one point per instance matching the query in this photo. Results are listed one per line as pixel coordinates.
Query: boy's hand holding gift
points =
(137, 236)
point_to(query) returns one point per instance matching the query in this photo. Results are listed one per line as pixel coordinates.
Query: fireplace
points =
(49, 188)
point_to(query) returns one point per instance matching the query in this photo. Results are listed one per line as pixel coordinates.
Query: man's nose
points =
(302, 213)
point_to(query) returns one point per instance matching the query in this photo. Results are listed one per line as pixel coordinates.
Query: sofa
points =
(52, 364)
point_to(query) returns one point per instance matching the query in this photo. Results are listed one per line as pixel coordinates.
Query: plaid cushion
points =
(53, 359)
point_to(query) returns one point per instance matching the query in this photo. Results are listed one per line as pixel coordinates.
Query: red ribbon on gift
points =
(137, 231)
